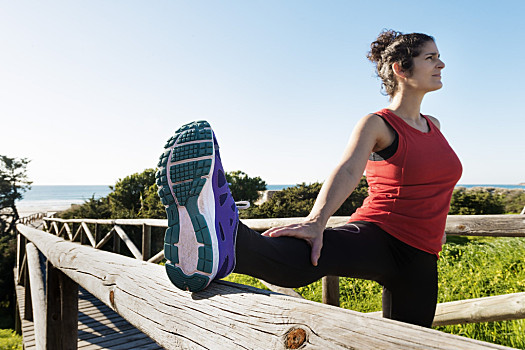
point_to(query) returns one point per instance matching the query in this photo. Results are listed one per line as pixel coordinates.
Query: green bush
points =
(243, 187)
(476, 202)
(9, 340)
(134, 196)
(298, 201)
(126, 198)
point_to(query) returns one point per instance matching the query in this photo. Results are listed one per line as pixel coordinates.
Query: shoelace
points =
(241, 205)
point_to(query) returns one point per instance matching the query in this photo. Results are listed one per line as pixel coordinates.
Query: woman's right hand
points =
(310, 231)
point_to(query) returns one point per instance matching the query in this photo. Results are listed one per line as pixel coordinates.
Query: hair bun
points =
(385, 38)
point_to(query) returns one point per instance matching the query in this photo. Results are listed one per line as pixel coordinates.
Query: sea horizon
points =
(53, 198)
(80, 193)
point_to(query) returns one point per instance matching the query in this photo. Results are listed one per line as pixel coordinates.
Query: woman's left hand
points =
(310, 231)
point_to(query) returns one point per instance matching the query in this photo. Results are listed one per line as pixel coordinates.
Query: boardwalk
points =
(99, 327)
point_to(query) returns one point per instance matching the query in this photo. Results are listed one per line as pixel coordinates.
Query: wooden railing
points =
(505, 307)
(26, 220)
(225, 315)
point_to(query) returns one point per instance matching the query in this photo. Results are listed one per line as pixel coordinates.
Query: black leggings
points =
(359, 249)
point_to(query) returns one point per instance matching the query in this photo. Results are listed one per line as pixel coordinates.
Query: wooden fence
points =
(225, 315)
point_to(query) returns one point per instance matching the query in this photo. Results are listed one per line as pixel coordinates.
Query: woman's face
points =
(426, 71)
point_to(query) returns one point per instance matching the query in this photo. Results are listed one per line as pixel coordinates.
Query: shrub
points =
(476, 202)
(243, 187)
(298, 201)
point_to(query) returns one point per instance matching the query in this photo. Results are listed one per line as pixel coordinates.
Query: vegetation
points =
(9, 340)
(13, 183)
(483, 200)
(298, 201)
(243, 187)
(134, 196)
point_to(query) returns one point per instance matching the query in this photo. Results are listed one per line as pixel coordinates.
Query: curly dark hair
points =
(390, 47)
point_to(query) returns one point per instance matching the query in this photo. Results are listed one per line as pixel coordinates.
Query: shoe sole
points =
(184, 181)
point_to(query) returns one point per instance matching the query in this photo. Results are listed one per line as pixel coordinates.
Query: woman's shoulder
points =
(434, 121)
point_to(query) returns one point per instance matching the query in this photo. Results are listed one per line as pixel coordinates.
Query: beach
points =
(54, 198)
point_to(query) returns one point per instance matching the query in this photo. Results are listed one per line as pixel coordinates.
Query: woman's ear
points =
(398, 71)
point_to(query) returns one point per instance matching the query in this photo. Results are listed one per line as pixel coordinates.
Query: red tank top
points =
(409, 193)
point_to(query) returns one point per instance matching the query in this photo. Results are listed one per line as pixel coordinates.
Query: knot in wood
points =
(295, 338)
(112, 298)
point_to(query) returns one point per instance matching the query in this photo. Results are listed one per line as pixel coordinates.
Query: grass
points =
(9, 340)
(468, 268)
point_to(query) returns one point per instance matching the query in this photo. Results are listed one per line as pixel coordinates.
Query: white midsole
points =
(188, 247)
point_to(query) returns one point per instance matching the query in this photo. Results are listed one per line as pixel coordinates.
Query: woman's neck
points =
(406, 106)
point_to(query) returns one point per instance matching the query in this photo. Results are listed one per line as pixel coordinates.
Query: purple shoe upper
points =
(226, 217)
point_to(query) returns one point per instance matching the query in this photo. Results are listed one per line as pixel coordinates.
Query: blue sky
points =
(90, 90)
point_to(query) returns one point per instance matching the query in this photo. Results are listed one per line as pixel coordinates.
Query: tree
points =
(126, 200)
(13, 183)
(298, 201)
(243, 187)
(134, 196)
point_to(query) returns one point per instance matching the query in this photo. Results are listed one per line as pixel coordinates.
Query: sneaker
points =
(199, 244)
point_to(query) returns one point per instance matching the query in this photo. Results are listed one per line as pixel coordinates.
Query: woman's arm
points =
(370, 134)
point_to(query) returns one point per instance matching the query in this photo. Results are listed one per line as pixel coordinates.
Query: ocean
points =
(56, 198)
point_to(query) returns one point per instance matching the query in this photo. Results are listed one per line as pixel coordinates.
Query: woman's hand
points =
(310, 231)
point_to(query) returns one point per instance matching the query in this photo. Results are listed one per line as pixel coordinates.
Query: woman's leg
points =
(204, 236)
(360, 250)
(410, 295)
(355, 250)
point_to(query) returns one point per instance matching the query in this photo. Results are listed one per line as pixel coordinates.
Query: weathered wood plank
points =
(472, 225)
(21, 256)
(68, 231)
(486, 225)
(146, 242)
(331, 290)
(62, 310)
(105, 239)
(103, 325)
(38, 298)
(488, 309)
(157, 257)
(467, 225)
(138, 222)
(27, 326)
(132, 247)
(282, 290)
(226, 315)
(89, 235)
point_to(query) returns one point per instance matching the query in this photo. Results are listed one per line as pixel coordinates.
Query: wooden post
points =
(97, 233)
(21, 252)
(62, 310)
(116, 242)
(37, 295)
(28, 309)
(18, 321)
(331, 290)
(146, 242)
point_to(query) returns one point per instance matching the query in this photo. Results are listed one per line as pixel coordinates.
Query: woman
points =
(394, 238)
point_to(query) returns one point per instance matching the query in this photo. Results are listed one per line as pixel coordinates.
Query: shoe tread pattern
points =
(189, 179)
